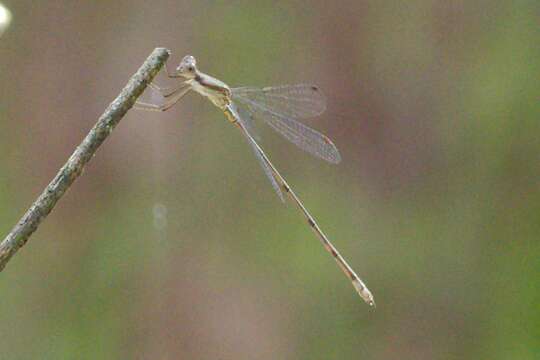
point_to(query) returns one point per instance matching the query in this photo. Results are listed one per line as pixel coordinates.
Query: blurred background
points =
(173, 244)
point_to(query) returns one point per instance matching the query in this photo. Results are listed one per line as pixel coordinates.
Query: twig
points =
(83, 153)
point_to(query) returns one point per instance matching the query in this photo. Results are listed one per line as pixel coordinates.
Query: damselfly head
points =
(187, 67)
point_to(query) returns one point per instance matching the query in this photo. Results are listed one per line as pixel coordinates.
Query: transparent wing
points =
(246, 118)
(246, 123)
(299, 134)
(295, 101)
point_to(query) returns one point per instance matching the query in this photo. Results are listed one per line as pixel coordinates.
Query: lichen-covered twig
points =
(83, 153)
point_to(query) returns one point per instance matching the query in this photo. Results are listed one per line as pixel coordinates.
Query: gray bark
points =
(73, 168)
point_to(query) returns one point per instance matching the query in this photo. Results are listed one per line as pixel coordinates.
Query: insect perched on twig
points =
(279, 107)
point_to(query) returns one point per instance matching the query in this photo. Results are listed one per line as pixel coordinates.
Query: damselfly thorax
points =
(215, 90)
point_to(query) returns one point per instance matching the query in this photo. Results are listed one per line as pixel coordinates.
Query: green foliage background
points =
(173, 246)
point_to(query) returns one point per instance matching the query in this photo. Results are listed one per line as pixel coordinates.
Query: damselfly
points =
(279, 107)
